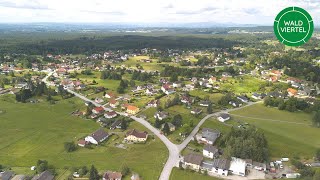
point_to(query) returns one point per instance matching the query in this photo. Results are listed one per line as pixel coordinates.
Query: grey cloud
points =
(251, 11)
(106, 13)
(169, 6)
(200, 11)
(32, 5)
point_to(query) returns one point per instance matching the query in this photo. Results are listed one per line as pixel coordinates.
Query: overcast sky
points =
(260, 12)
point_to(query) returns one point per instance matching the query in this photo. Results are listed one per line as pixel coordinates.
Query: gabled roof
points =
(193, 159)
(6, 175)
(99, 135)
(224, 115)
(46, 175)
(112, 101)
(132, 108)
(210, 134)
(99, 109)
(292, 91)
(211, 148)
(221, 163)
(109, 175)
(115, 124)
(137, 134)
(112, 113)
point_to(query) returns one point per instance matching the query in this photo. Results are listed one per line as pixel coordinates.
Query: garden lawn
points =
(242, 84)
(38, 131)
(214, 97)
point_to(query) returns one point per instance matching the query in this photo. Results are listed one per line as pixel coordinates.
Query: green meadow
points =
(38, 131)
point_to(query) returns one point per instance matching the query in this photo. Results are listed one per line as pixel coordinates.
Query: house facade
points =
(193, 161)
(136, 136)
(210, 151)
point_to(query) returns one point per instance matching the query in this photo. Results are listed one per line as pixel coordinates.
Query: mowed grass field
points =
(37, 131)
(288, 134)
(152, 66)
(242, 84)
(178, 174)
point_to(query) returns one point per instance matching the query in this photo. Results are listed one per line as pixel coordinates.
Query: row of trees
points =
(141, 76)
(122, 86)
(292, 104)
(107, 74)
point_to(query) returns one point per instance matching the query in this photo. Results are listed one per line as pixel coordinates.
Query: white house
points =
(238, 166)
(223, 117)
(221, 166)
(167, 89)
(110, 115)
(210, 151)
(97, 137)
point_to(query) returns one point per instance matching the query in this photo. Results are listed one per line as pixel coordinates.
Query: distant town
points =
(246, 111)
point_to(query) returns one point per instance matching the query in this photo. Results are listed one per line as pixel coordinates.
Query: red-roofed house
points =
(98, 110)
(82, 143)
(212, 80)
(113, 103)
(110, 115)
(292, 92)
(110, 95)
(132, 109)
(273, 79)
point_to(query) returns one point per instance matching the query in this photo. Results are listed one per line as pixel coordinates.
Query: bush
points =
(70, 146)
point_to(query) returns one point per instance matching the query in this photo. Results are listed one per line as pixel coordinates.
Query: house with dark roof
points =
(221, 166)
(110, 115)
(208, 136)
(109, 175)
(116, 124)
(7, 175)
(186, 100)
(153, 103)
(161, 115)
(196, 111)
(243, 98)
(193, 161)
(256, 96)
(204, 103)
(136, 136)
(97, 137)
(224, 117)
(19, 177)
(235, 103)
(45, 175)
(210, 151)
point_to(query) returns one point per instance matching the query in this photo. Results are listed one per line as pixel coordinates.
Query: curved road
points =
(174, 150)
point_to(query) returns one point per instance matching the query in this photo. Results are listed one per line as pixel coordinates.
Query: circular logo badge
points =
(293, 26)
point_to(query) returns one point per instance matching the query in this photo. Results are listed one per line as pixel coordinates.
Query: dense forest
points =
(90, 45)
